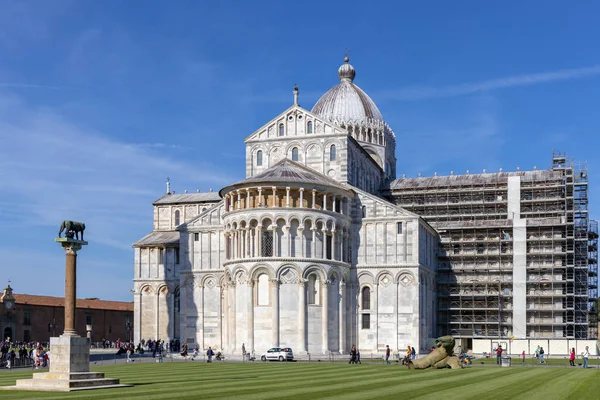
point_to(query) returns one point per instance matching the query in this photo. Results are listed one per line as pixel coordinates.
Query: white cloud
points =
(426, 92)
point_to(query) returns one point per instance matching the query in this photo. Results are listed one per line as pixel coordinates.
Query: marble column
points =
(314, 198)
(239, 200)
(275, 311)
(247, 198)
(313, 245)
(287, 196)
(260, 202)
(323, 243)
(342, 317)
(325, 316)
(274, 196)
(71, 287)
(324, 201)
(302, 252)
(302, 314)
(301, 198)
(233, 316)
(375, 314)
(286, 229)
(333, 243)
(224, 311)
(274, 229)
(251, 316)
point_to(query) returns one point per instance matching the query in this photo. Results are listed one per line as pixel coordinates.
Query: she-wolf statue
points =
(442, 357)
(72, 228)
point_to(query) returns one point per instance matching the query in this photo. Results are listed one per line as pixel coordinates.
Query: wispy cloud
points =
(427, 92)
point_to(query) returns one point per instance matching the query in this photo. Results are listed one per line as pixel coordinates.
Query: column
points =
(334, 201)
(232, 317)
(171, 303)
(275, 311)
(323, 242)
(250, 348)
(156, 314)
(248, 244)
(260, 202)
(137, 324)
(224, 311)
(325, 317)
(247, 198)
(301, 197)
(325, 201)
(333, 243)
(239, 200)
(314, 198)
(201, 316)
(274, 229)
(259, 239)
(342, 317)
(302, 252)
(274, 197)
(302, 314)
(287, 196)
(71, 287)
(375, 313)
(287, 229)
(313, 245)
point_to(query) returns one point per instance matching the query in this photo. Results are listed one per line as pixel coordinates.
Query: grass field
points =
(327, 381)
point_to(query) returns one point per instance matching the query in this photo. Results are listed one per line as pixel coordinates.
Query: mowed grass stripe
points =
(418, 384)
(316, 381)
(385, 377)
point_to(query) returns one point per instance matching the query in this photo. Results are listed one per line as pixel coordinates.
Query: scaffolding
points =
(593, 279)
(476, 261)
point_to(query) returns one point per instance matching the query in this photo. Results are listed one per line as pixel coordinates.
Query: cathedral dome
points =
(346, 102)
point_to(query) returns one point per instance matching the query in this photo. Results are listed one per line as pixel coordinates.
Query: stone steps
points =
(67, 382)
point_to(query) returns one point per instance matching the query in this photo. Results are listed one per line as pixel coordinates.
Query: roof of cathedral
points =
(472, 179)
(289, 171)
(158, 238)
(172, 198)
(346, 101)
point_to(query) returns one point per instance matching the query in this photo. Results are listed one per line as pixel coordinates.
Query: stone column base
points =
(69, 369)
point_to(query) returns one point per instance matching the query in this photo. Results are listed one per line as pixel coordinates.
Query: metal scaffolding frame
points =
(475, 277)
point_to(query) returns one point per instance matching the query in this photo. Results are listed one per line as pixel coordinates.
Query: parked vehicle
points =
(278, 354)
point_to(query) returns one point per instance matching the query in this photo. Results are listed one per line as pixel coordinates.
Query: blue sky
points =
(101, 101)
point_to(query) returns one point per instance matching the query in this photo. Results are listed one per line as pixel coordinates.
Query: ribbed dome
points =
(347, 102)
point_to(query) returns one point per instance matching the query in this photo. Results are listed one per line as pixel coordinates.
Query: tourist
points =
(387, 354)
(352, 355)
(358, 356)
(129, 355)
(537, 353)
(408, 352)
(572, 357)
(585, 355)
(210, 353)
(195, 354)
(542, 352)
(523, 356)
(243, 350)
(413, 353)
(499, 355)
(184, 351)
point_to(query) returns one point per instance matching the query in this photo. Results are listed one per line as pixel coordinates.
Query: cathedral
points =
(305, 252)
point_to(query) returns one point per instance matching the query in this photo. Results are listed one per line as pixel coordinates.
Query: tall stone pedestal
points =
(69, 369)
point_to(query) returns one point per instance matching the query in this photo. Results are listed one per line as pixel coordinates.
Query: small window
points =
(161, 256)
(313, 290)
(177, 217)
(309, 128)
(479, 249)
(366, 298)
(281, 130)
(295, 154)
(364, 211)
(332, 153)
(267, 244)
(328, 247)
(88, 319)
(27, 317)
(399, 228)
(196, 237)
(177, 255)
(259, 158)
(456, 249)
(366, 321)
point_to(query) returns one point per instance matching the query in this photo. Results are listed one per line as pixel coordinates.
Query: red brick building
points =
(25, 317)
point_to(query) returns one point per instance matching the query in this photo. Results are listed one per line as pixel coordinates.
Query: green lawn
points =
(331, 381)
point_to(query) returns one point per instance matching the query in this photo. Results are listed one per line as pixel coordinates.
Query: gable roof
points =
(50, 301)
(288, 171)
(168, 238)
(187, 198)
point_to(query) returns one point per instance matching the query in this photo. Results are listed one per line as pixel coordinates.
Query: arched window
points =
(295, 154)
(281, 130)
(262, 290)
(314, 288)
(259, 158)
(177, 219)
(332, 153)
(309, 127)
(366, 298)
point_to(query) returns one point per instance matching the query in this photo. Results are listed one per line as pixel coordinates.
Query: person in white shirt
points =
(585, 355)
